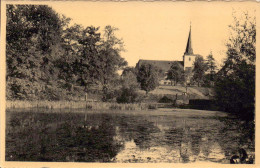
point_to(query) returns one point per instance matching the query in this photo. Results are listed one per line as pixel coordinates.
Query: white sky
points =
(159, 30)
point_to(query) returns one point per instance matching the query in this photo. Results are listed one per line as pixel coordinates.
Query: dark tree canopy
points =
(235, 83)
(175, 73)
(148, 77)
(211, 71)
(48, 59)
(129, 78)
(33, 44)
(211, 65)
(199, 70)
(110, 59)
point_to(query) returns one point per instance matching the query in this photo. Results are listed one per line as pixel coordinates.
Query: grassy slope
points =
(193, 91)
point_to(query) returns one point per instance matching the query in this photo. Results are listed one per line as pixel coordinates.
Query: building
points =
(164, 66)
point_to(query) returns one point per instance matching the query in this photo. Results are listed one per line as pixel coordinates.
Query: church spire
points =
(189, 50)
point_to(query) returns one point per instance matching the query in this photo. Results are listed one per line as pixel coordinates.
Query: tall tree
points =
(148, 77)
(175, 73)
(129, 78)
(33, 43)
(110, 59)
(87, 62)
(67, 63)
(46, 57)
(199, 70)
(128, 92)
(211, 66)
(235, 84)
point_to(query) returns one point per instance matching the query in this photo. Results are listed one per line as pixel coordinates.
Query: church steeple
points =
(189, 50)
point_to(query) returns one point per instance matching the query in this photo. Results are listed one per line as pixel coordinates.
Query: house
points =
(164, 66)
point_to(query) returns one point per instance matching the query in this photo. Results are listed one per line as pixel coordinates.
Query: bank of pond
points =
(97, 105)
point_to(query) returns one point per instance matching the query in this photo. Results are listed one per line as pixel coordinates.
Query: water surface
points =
(164, 135)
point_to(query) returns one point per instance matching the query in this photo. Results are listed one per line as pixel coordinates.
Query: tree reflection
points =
(42, 140)
(140, 130)
(99, 137)
(235, 134)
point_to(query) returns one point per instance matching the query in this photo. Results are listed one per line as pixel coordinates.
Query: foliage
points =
(211, 67)
(128, 92)
(109, 56)
(147, 76)
(127, 95)
(33, 39)
(165, 99)
(128, 70)
(175, 73)
(208, 80)
(199, 70)
(129, 78)
(86, 63)
(47, 59)
(187, 75)
(235, 84)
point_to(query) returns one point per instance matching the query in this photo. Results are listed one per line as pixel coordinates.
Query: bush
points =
(110, 96)
(127, 95)
(152, 106)
(165, 99)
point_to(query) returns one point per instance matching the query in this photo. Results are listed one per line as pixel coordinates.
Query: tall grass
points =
(75, 105)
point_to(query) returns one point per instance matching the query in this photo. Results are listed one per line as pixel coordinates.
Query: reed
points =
(75, 105)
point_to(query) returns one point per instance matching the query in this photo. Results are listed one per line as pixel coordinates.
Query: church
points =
(164, 66)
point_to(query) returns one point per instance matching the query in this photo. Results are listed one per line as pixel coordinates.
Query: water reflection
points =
(120, 137)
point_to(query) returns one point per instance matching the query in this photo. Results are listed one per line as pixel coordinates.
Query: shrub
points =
(165, 99)
(152, 106)
(127, 95)
(110, 96)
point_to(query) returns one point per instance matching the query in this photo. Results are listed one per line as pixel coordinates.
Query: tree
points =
(128, 70)
(128, 91)
(129, 78)
(87, 64)
(235, 84)
(148, 77)
(187, 78)
(33, 38)
(46, 57)
(175, 73)
(68, 62)
(199, 70)
(211, 66)
(110, 60)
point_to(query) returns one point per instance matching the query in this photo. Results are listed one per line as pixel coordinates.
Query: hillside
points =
(194, 92)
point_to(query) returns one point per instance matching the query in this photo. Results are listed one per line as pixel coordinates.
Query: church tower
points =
(188, 57)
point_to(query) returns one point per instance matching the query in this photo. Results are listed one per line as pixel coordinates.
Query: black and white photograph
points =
(129, 82)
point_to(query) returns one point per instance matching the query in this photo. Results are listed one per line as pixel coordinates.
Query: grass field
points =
(75, 105)
(194, 91)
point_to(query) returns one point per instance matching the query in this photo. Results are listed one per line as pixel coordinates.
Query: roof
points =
(189, 50)
(163, 65)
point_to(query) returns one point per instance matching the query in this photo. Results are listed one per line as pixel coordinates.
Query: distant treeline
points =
(50, 59)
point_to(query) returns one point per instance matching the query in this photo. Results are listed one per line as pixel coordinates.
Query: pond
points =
(163, 135)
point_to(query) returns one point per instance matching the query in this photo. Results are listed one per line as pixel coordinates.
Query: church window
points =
(189, 59)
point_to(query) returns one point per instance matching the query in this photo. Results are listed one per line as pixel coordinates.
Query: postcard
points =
(129, 84)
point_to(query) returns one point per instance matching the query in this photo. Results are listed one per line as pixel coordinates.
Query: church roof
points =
(163, 65)
(189, 50)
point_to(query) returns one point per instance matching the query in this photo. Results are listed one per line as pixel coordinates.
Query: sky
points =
(159, 30)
